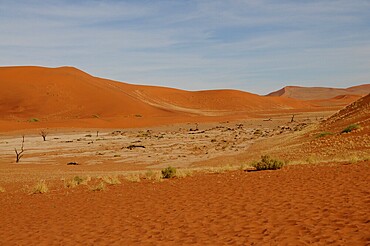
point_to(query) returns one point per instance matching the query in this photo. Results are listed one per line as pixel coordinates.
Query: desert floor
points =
(297, 205)
(220, 201)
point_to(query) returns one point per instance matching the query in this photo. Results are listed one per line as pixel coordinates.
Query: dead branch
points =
(43, 134)
(20, 153)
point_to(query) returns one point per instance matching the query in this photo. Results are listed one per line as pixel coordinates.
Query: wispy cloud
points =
(250, 45)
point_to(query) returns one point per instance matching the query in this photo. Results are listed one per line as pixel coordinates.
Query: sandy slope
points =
(356, 113)
(68, 97)
(319, 93)
(298, 205)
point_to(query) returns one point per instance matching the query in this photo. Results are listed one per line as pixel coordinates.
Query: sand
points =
(122, 130)
(297, 205)
(65, 97)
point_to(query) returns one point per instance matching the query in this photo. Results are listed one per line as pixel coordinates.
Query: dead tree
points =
(43, 134)
(20, 153)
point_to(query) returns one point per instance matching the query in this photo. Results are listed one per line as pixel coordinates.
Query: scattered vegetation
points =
(40, 188)
(111, 180)
(324, 134)
(153, 175)
(182, 173)
(168, 172)
(19, 154)
(351, 128)
(267, 163)
(2, 189)
(221, 169)
(75, 181)
(98, 187)
(133, 178)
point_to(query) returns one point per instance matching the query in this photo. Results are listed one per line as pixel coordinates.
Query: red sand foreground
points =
(298, 205)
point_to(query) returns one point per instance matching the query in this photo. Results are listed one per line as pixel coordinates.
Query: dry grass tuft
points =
(75, 181)
(221, 169)
(40, 188)
(2, 189)
(153, 175)
(111, 180)
(98, 187)
(133, 178)
(182, 173)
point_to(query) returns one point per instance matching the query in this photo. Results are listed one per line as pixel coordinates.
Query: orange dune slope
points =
(319, 93)
(65, 94)
(357, 112)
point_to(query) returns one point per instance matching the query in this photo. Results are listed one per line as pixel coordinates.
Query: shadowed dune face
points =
(320, 93)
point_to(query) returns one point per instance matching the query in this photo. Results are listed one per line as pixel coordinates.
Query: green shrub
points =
(169, 172)
(323, 134)
(266, 163)
(351, 128)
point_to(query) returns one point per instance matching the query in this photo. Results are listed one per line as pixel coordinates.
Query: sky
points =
(252, 45)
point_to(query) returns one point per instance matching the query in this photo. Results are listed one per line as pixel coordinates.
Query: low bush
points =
(350, 128)
(267, 163)
(169, 172)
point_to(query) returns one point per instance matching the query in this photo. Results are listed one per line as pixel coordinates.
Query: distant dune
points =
(319, 93)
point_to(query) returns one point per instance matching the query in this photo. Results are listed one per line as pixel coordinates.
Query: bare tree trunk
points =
(20, 153)
(43, 135)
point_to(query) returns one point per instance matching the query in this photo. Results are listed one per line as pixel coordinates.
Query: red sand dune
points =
(358, 112)
(319, 93)
(66, 96)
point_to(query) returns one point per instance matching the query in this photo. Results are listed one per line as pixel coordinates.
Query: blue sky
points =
(251, 45)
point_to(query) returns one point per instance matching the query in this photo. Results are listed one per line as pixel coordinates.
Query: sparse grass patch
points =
(153, 175)
(221, 169)
(182, 173)
(133, 178)
(324, 134)
(267, 163)
(40, 188)
(75, 181)
(168, 172)
(111, 180)
(351, 128)
(2, 189)
(98, 187)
